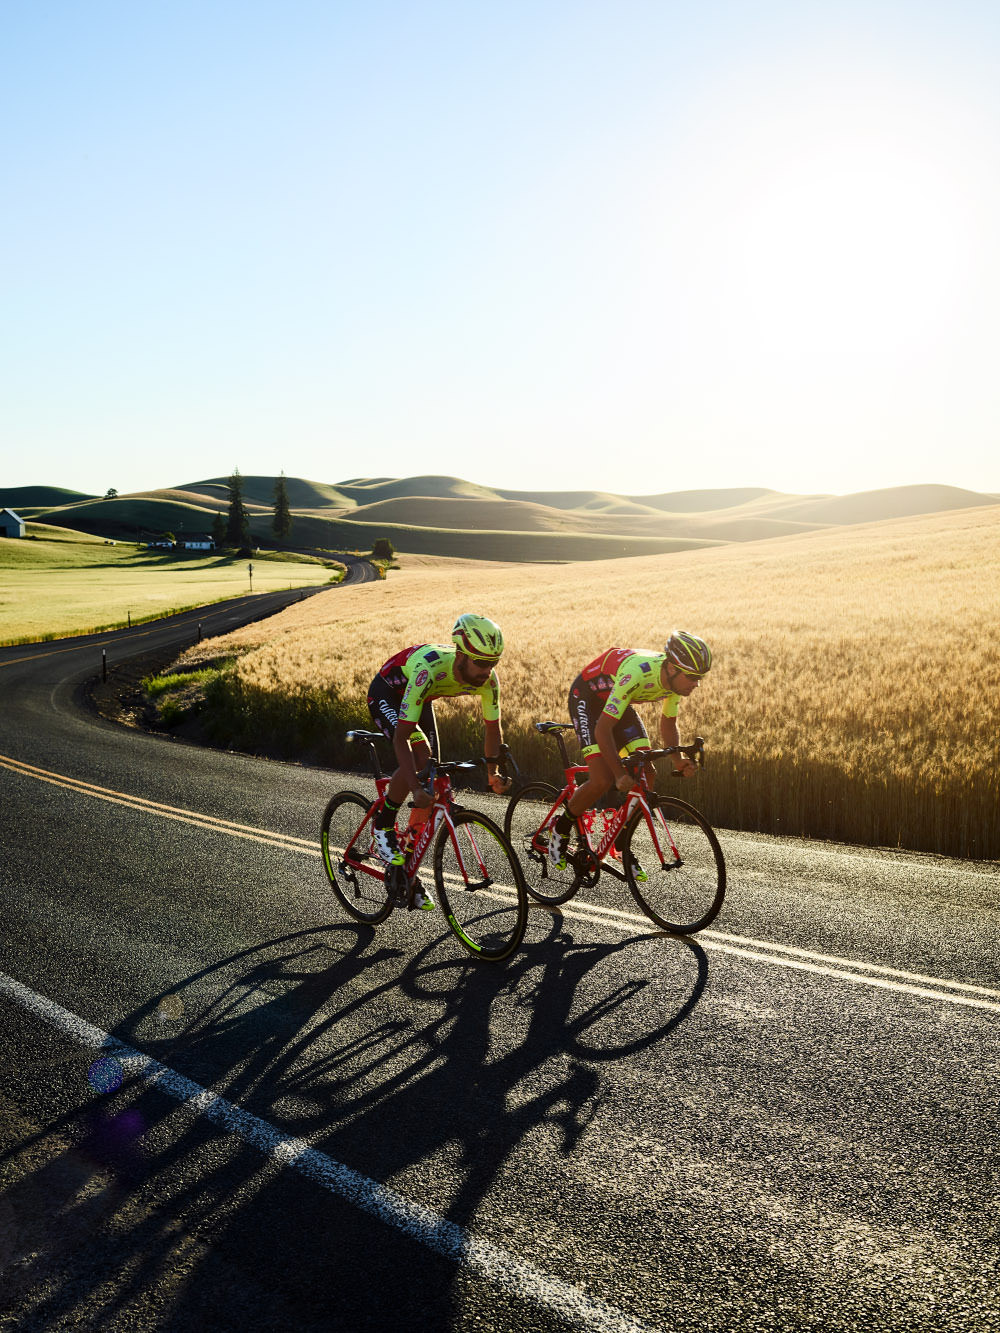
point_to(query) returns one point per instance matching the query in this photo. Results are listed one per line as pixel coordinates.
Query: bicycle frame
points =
(638, 796)
(417, 843)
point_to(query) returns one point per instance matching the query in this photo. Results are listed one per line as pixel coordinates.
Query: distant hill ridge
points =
(445, 515)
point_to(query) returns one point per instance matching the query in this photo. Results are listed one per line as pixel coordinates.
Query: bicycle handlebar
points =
(695, 751)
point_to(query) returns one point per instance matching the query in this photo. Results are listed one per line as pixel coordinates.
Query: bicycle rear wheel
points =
(525, 812)
(354, 867)
(480, 886)
(678, 878)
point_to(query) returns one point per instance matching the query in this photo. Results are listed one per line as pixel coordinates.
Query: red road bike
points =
(480, 886)
(660, 846)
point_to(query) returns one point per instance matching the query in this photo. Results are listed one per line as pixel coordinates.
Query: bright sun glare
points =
(844, 233)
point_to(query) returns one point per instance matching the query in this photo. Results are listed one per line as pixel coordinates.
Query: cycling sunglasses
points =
(483, 662)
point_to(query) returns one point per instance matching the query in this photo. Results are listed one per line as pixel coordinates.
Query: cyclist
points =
(601, 709)
(401, 702)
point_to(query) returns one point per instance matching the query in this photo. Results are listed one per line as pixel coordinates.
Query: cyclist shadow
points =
(518, 1051)
(310, 1030)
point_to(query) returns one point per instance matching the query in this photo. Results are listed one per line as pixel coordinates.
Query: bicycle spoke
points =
(354, 868)
(675, 869)
(529, 838)
(480, 887)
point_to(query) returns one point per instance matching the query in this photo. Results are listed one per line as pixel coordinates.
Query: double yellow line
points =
(193, 817)
(849, 970)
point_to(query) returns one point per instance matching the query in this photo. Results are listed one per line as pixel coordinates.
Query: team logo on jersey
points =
(644, 666)
(441, 675)
(625, 679)
(431, 657)
(611, 707)
(422, 678)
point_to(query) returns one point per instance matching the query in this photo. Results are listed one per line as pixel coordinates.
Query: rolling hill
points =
(440, 515)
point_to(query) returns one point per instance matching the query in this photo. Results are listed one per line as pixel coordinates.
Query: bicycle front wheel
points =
(675, 868)
(530, 840)
(353, 865)
(480, 886)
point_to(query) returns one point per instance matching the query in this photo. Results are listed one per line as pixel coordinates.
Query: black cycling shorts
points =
(585, 707)
(383, 704)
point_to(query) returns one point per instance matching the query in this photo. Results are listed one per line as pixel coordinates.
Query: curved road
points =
(789, 1122)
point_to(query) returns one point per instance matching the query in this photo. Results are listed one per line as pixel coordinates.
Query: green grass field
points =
(56, 583)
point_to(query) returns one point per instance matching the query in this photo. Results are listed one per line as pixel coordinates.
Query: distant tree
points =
(219, 529)
(238, 523)
(169, 537)
(383, 549)
(110, 493)
(282, 521)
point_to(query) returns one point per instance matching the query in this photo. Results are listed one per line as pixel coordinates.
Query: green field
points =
(56, 583)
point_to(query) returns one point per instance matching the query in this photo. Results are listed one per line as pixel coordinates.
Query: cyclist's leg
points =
(629, 734)
(631, 737)
(383, 705)
(584, 710)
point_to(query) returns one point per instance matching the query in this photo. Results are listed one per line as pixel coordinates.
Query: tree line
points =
(233, 528)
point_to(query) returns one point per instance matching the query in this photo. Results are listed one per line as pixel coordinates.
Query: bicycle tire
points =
(685, 892)
(485, 918)
(525, 811)
(362, 895)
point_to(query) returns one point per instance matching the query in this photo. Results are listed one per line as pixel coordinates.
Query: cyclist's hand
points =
(500, 786)
(422, 798)
(684, 767)
(625, 783)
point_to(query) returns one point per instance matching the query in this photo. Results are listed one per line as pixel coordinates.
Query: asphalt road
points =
(789, 1122)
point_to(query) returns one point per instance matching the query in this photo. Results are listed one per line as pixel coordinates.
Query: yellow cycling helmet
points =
(478, 637)
(688, 653)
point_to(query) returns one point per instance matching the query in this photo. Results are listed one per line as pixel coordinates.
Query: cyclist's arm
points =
(669, 735)
(404, 758)
(492, 741)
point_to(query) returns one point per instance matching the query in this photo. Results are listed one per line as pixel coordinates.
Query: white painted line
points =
(804, 960)
(487, 1260)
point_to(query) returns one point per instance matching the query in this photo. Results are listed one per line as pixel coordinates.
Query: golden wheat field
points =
(855, 693)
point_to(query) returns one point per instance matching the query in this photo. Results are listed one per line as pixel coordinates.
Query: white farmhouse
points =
(11, 524)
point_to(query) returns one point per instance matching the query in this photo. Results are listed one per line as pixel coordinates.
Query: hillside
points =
(32, 497)
(441, 515)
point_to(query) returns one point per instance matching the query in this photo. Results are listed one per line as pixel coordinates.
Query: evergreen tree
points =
(238, 524)
(282, 521)
(219, 529)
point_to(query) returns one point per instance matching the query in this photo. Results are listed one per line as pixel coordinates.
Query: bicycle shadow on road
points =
(308, 1033)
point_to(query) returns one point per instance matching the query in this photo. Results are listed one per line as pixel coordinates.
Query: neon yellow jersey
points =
(625, 676)
(427, 672)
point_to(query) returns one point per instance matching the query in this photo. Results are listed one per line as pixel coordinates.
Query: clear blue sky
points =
(635, 246)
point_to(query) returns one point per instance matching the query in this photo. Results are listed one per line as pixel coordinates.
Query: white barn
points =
(11, 524)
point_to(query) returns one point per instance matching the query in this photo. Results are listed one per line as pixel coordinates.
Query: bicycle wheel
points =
(352, 863)
(679, 880)
(480, 885)
(525, 812)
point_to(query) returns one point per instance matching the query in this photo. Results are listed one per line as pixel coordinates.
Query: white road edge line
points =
(428, 1228)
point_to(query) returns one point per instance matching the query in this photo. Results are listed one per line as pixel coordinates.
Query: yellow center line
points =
(158, 808)
(754, 950)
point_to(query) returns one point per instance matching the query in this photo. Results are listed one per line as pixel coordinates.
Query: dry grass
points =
(855, 696)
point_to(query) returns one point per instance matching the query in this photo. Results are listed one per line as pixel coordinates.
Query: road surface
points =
(225, 1106)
